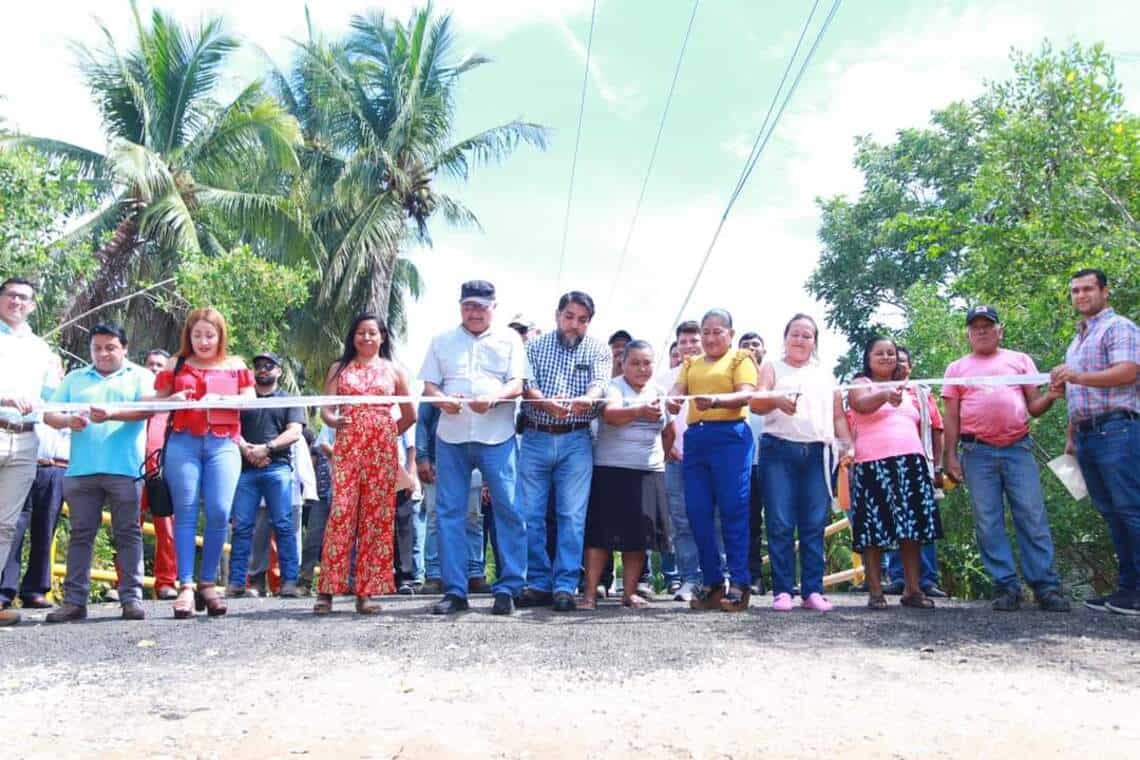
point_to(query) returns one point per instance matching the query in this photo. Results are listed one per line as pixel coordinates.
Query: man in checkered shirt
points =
(557, 450)
(1102, 388)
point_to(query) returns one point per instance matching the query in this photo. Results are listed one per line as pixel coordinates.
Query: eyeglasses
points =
(25, 297)
(263, 366)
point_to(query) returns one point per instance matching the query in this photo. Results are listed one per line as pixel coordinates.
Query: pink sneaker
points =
(819, 602)
(782, 603)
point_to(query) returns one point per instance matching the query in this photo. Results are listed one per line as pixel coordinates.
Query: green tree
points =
(182, 172)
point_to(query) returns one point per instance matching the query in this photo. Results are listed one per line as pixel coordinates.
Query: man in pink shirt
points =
(988, 447)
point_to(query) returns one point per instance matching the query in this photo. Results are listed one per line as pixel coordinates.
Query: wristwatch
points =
(269, 448)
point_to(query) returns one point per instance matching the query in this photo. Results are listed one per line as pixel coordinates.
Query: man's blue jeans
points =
(796, 500)
(1010, 471)
(411, 535)
(929, 567)
(687, 561)
(566, 461)
(718, 473)
(1110, 461)
(274, 483)
(475, 561)
(205, 468)
(498, 465)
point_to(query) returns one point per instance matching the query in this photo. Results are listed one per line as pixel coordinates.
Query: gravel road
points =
(269, 680)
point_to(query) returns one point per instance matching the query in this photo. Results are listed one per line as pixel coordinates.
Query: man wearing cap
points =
(557, 449)
(487, 365)
(1102, 386)
(266, 444)
(989, 426)
(526, 328)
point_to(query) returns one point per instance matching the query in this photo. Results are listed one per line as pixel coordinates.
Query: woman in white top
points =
(800, 429)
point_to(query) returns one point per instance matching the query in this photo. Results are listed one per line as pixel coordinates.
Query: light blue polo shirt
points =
(108, 448)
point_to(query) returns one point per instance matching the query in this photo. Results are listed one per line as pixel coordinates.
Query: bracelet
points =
(714, 402)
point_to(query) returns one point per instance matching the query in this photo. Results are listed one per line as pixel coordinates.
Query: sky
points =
(883, 65)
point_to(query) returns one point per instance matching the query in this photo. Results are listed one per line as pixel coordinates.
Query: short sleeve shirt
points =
(106, 448)
(996, 414)
(461, 363)
(635, 445)
(30, 369)
(260, 426)
(1101, 342)
(225, 423)
(560, 370)
(889, 431)
(702, 377)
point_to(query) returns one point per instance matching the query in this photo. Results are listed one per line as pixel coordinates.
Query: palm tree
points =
(377, 111)
(182, 172)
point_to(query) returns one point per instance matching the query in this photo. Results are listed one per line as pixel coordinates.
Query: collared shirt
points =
(106, 448)
(459, 362)
(54, 444)
(30, 369)
(1101, 342)
(562, 371)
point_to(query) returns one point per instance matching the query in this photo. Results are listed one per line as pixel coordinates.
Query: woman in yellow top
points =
(718, 459)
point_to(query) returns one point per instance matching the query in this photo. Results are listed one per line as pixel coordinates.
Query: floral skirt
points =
(892, 500)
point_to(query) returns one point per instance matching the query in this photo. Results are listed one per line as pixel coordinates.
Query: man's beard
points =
(264, 382)
(570, 340)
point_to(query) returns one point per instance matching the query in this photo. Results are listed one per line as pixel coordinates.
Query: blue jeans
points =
(411, 535)
(565, 461)
(498, 465)
(1010, 471)
(475, 561)
(718, 473)
(796, 499)
(204, 467)
(687, 562)
(929, 566)
(1110, 461)
(274, 483)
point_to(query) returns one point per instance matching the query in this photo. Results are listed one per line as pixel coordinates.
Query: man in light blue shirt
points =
(107, 449)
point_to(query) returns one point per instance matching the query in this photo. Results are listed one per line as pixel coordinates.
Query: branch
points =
(128, 297)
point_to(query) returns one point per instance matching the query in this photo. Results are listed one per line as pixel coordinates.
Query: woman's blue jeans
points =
(796, 499)
(201, 469)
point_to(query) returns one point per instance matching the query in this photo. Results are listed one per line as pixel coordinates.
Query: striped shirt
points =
(562, 371)
(1102, 341)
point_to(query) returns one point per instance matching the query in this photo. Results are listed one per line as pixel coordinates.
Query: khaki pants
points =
(17, 472)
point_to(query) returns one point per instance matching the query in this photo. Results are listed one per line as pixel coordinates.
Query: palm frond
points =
(489, 146)
(92, 165)
(140, 169)
(272, 218)
(168, 223)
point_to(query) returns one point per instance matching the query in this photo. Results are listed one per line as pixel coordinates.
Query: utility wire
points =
(653, 153)
(762, 141)
(577, 141)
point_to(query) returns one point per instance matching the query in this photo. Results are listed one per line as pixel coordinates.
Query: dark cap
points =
(270, 356)
(988, 312)
(479, 291)
(620, 335)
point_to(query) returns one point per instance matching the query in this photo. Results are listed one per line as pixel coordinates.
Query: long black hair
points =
(868, 347)
(349, 352)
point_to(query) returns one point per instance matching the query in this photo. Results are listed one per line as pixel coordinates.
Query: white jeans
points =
(17, 472)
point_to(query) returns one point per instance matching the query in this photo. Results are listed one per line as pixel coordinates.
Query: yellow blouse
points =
(701, 377)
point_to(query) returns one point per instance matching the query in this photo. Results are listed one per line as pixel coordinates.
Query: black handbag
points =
(153, 472)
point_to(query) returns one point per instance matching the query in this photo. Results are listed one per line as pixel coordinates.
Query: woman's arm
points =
(331, 414)
(407, 408)
(842, 431)
(868, 400)
(767, 382)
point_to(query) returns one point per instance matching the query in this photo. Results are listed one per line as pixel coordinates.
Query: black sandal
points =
(877, 602)
(917, 601)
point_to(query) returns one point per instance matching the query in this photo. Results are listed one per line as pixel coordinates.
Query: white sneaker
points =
(685, 593)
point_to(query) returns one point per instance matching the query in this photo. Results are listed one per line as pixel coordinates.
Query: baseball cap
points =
(521, 320)
(477, 291)
(988, 312)
(270, 356)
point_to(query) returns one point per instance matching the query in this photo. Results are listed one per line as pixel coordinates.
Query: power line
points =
(653, 153)
(762, 141)
(577, 141)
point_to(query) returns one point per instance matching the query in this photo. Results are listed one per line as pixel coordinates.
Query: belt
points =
(557, 429)
(53, 462)
(971, 438)
(17, 427)
(1094, 423)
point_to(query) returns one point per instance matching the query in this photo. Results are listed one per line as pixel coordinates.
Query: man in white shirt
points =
(31, 374)
(487, 365)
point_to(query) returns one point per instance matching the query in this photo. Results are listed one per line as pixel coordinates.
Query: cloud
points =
(625, 102)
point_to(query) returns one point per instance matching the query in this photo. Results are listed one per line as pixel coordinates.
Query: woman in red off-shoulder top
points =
(202, 461)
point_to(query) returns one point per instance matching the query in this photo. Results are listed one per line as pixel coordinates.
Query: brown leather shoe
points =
(478, 586)
(9, 617)
(708, 598)
(207, 598)
(35, 602)
(67, 613)
(736, 600)
(133, 611)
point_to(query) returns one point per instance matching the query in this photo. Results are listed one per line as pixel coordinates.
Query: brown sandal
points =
(588, 603)
(207, 598)
(184, 604)
(917, 601)
(323, 605)
(635, 601)
(877, 602)
(365, 607)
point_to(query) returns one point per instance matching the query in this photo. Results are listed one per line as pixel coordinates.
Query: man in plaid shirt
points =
(1102, 389)
(557, 449)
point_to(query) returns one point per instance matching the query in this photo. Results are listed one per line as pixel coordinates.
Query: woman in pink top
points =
(892, 493)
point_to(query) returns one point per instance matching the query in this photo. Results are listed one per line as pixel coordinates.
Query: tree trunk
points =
(115, 258)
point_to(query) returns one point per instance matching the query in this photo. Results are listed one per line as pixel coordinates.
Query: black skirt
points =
(629, 511)
(892, 500)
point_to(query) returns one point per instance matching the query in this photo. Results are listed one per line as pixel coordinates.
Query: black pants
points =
(755, 528)
(39, 518)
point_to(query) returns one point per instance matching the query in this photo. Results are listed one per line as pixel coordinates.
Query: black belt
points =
(17, 427)
(971, 438)
(557, 429)
(1095, 423)
(53, 462)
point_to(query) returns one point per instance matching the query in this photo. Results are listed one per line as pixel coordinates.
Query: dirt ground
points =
(269, 680)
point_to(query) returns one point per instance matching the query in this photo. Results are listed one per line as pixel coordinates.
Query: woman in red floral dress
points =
(363, 509)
